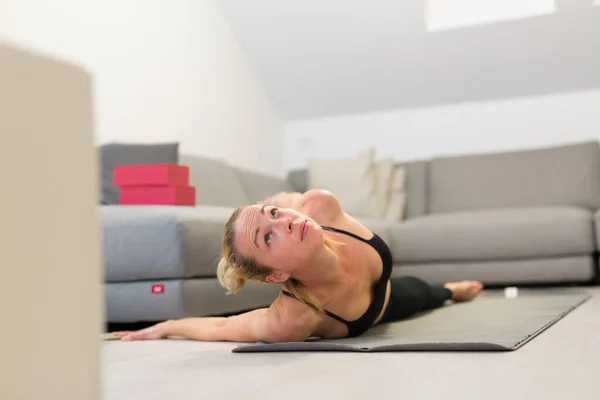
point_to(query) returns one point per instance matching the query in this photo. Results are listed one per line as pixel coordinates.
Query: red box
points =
(151, 175)
(158, 289)
(161, 195)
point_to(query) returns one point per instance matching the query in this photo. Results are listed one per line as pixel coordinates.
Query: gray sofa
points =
(510, 218)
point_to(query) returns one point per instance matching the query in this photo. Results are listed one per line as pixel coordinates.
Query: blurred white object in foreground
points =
(511, 292)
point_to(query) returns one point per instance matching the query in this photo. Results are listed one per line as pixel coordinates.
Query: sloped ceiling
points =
(330, 57)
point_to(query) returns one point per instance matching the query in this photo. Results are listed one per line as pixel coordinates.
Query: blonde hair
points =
(234, 269)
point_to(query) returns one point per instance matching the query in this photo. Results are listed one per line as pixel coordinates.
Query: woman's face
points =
(280, 238)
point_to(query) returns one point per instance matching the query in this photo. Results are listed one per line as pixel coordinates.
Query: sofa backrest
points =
(298, 178)
(416, 186)
(561, 175)
(215, 180)
(258, 186)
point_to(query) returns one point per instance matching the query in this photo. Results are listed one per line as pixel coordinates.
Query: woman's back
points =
(358, 299)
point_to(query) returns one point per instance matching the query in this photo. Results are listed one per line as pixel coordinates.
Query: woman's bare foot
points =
(464, 290)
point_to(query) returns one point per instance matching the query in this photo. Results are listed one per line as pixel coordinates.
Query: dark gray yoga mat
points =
(489, 323)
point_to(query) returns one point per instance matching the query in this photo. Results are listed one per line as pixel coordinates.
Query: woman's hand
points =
(158, 331)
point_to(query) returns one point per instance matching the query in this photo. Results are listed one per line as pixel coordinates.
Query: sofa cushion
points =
(564, 175)
(494, 235)
(114, 154)
(215, 181)
(182, 298)
(353, 180)
(161, 242)
(503, 272)
(597, 227)
(298, 178)
(259, 186)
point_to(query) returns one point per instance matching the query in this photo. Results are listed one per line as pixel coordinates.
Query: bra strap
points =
(332, 315)
(328, 228)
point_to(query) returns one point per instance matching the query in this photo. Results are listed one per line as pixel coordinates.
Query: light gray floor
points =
(561, 363)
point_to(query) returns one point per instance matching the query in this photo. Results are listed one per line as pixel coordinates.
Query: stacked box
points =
(162, 184)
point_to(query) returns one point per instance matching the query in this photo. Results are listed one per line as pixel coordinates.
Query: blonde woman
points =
(334, 273)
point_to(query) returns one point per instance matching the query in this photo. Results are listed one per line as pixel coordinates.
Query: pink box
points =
(151, 175)
(161, 195)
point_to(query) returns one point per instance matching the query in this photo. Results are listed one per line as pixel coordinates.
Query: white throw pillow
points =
(396, 205)
(384, 170)
(353, 180)
(364, 187)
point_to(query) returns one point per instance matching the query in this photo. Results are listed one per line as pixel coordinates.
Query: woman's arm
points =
(258, 325)
(190, 328)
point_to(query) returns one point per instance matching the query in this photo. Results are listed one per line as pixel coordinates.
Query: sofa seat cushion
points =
(128, 302)
(161, 242)
(494, 235)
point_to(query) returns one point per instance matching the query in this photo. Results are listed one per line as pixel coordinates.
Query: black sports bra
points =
(365, 322)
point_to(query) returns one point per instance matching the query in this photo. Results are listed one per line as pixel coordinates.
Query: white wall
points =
(448, 130)
(164, 70)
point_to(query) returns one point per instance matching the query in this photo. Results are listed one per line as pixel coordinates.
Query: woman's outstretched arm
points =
(259, 325)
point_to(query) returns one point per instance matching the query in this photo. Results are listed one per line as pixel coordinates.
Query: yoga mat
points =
(491, 322)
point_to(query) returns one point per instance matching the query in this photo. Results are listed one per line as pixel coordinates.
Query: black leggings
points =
(411, 295)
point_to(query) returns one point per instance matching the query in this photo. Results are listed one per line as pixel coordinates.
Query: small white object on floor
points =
(511, 292)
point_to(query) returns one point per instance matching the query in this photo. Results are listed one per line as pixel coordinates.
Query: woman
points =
(334, 272)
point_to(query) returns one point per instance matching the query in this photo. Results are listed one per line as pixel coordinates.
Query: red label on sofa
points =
(160, 195)
(151, 175)
(158, 289)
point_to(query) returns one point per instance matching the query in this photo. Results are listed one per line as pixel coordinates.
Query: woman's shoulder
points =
(319, 196)
(325, 209)
(321, 205)
(293, 319)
